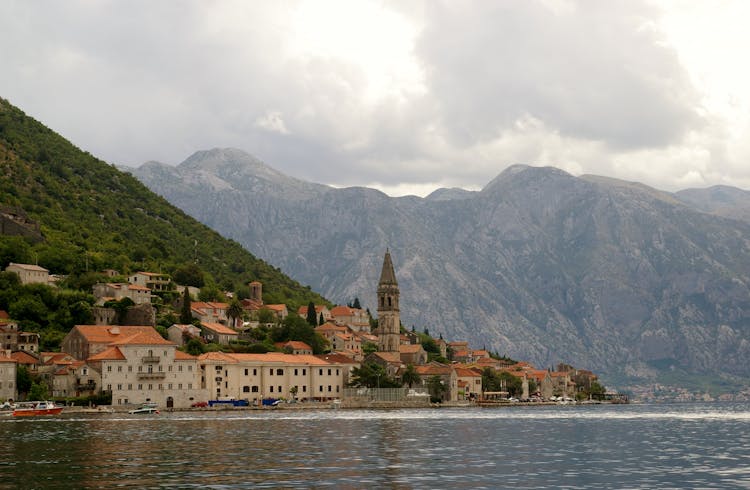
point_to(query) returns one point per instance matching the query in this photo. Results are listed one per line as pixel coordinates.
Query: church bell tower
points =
(389, 318)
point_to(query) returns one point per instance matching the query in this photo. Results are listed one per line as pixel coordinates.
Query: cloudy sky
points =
(403, 96)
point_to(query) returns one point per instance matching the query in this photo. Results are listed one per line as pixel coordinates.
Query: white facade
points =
(150, 373)
(7, 379)
(273, 375)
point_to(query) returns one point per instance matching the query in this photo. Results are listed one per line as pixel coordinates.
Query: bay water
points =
(600, 446)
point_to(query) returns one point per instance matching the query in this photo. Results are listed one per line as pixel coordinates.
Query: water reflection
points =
(695, 446)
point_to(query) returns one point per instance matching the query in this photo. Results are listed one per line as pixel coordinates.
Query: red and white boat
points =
(34, 409)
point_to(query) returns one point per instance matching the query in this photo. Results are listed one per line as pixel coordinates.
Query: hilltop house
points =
(111, 291)
(218, 333)
(354, 318)
(319, 310)
(154, 281)
(29, 274)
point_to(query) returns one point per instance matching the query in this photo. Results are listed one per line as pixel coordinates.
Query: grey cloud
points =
(593, 72)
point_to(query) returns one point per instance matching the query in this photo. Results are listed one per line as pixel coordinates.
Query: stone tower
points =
(389, 318)
(256, 291)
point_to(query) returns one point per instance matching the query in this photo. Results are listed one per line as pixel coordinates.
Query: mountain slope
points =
(540, 265)
(93, 217)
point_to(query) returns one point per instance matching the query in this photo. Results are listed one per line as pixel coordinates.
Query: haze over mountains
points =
(633, 282)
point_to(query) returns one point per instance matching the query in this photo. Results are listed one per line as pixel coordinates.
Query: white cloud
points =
(405, 95)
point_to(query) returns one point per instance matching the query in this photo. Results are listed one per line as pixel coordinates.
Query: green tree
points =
(23, 380)
(410, 376)
(189, 275)
(266, 316)
(369, 347)
(321, 320)
(194, 347)
(186, 316)
(311, 318)
(437, 388)
(372, 375)
(235, 311)
(38, 391)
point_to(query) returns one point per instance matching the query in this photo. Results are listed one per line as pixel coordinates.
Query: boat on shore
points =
(36, 409)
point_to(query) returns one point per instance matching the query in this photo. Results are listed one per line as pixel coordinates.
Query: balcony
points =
(89, 386)
(155, 375)
(150, 359)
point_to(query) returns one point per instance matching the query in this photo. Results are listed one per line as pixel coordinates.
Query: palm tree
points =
(410, 376)
(235, 311)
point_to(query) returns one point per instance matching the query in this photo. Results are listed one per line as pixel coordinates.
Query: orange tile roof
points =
(143, 338)
(24, 358)
(6, 359)
(410, 348)
(106, 334)
(270, 357)
(219, 328)
(331, 327)
(183, 356)
(433, 369)
(4, 315)
(110, 354)
(295, 345)
(465, 372)
(341, 310)
(337, 358)
(279, 307)
(390, 357)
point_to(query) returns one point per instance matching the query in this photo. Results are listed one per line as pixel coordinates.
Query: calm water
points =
(635, 446)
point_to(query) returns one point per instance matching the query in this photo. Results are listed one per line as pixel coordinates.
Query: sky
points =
(404, 96)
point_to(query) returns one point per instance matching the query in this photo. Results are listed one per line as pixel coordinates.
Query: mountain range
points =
(639, 284)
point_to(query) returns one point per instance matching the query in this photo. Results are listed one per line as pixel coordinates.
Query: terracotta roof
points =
(143, 338)
(183, 356)
(294, 345)
(219, 328)
(110, 354)
(345, 311)
(433, 369)
(270, 357)
(330, 327)
(56, 358)
(410, 348)
(390, 357)
(302, 310)
(28, 267)
(6, 359)
(337, 358)
(152, 274)
(279, 307)
(466, 372)
(106, 334)
(204, 304)
(24, 358)
(4, 315)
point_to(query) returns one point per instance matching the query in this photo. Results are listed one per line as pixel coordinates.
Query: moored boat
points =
(146, 408)
(35, 409)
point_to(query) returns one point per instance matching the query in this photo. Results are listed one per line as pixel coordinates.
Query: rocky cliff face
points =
(540, 265)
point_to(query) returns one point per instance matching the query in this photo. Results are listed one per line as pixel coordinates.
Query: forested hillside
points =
(75, 215)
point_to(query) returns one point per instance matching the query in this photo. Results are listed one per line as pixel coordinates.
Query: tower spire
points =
(388, 275)
(389, 317)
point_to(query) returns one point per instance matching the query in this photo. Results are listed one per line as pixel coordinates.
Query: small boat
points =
(35, 409)
(146, 408)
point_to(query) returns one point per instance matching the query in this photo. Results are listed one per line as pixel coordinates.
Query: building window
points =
(320, 372)
(130, 369)
(109, 369)
(169, 368)
(190, 367)
(246, 389)
(329, 372)
(179, 368)
(304, 388)
(130, 386)
(295, 371)
(270, 372)
(190, 386)
(169, 386)
(329, 388)
(161, 387)
(304, 372)
(119, 386)
(255, 389)
(337, 388)
(320, 388)
(337, 372)
(179, 386)
(247, 371)
(85, 371)
(255, 372)
(109, 387)
(140, 386)
(150, 386)
(140, 369)
(271, 388)
(280, 372)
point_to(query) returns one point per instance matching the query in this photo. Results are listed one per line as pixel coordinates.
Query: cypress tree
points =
(185, 315)
(311, 318)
